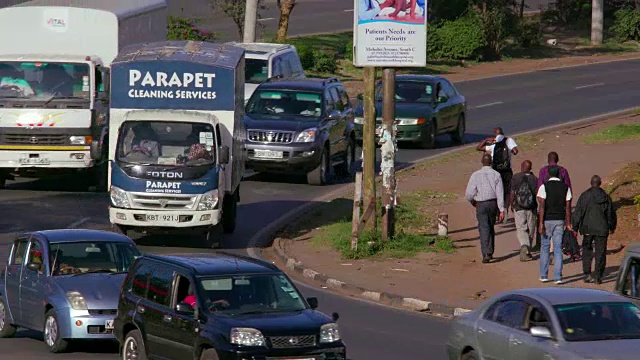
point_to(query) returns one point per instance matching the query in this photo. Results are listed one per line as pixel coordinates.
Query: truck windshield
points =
(256, 71)
(29, 80)
(166, 143)
(285, 102)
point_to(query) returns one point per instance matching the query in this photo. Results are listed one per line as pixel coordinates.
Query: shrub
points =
(306, 56)
(458, 39)
(185, 29)
(626, 25)
(529, 33)
(324, 62)
(348, 50)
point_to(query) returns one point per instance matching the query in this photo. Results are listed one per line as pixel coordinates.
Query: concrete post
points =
(443, 225)
(388, 150)
(250, 19)
(597, 18)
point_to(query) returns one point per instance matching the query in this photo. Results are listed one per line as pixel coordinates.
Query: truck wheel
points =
(3, 182)
(320, 175)
(229, 213)
(211, 238)
(7, 330)
(100, 174)
(429, 136)
(52, 339)
(346, 168)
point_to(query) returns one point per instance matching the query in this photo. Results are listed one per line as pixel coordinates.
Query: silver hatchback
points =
(548, 323)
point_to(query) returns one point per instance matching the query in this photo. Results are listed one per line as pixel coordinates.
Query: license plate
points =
(167, 218)
(108, 325)
(34, 161)
(268, 154)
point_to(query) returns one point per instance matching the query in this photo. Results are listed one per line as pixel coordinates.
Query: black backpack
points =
(501, 158)
(524, 196)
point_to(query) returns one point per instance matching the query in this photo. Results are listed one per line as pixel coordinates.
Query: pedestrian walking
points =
(595, 218)
(543, 176)
(554, 213)
(524, 205)
(501, 147)
(484, 192)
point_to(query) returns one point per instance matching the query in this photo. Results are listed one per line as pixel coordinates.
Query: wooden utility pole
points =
(388, 147)
(369, 146)
(597, 18)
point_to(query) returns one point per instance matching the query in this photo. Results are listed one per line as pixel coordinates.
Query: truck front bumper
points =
(163, 220)
(76, 157)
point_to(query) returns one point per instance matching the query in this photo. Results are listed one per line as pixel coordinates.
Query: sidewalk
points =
(460, 279)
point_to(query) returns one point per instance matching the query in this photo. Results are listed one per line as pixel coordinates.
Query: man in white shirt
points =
(368, 9)
(501, 148)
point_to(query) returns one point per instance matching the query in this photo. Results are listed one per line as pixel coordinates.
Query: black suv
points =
(300, 126)
(219, 306)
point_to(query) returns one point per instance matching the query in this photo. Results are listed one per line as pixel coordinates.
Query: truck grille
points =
(265, 136)
(33, 139)
(163, 202)
(287, 342)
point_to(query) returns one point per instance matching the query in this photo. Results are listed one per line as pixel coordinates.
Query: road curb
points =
(394, 300)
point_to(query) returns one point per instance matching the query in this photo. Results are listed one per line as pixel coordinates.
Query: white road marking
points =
(588, 86)
(75, 224)
(487, 105)
(266, 19)
(348, 10)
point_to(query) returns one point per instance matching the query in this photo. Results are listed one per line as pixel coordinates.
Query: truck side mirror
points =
(95, 150)
(223, 155)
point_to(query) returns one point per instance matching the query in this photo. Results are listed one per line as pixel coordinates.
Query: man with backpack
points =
(523, 202)
(543, 176)
(501, 148)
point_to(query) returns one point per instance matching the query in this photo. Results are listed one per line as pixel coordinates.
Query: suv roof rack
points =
(275, 78)
(330, 80)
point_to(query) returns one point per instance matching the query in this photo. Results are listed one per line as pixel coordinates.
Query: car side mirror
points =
(33, 266)
(223, 155)
(185, 309)
(313, 302)
(95, 149)
(541, 332)
(333, 115)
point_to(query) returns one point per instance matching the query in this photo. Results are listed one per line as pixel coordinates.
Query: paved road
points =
(517, 103)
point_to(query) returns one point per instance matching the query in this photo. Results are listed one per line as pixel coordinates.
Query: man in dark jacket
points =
(595, 218)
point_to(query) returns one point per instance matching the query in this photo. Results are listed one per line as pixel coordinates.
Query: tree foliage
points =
(235, 10)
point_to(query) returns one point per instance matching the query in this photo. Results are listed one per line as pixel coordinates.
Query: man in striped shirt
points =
(486, 193)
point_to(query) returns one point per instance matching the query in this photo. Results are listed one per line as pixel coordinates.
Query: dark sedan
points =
(426, 106)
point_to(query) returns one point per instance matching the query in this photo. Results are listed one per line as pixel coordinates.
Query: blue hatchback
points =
(64, 283)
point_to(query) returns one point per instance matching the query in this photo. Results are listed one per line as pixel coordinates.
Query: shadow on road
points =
(80, 346)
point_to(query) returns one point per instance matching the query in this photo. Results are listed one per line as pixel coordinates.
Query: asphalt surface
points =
(517, 103)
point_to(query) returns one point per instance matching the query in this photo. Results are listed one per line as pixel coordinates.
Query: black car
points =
(219, 306)
(302, 126)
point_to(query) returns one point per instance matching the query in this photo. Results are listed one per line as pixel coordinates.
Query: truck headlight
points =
(80, 140)
(411, 121)
(307, 136)
(208, 201)
(76, 300)
(247, 337)
(119, 198)
(358, 120)
(329, 333)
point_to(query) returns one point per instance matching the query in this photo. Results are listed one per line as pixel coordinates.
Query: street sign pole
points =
(388, 149)
(369, 145)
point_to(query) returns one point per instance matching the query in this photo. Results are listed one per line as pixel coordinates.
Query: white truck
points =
(54, 72)
(178, 137)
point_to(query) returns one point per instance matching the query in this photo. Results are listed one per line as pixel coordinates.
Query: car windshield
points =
(166, 143)
(44, 81)
(251, 294)
(410, 91)
(78, 258)
(285, 103)
(256, 71)
(599, 321)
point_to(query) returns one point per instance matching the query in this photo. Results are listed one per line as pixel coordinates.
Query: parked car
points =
(302, 126)
(219, 306)
(264, 61)
(426, 106)
(64, 283)
(548, 323)
(628, 281)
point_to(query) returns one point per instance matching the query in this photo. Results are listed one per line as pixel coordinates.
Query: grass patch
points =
(614, 134)
(415, 221)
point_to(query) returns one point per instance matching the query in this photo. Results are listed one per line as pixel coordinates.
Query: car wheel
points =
(133, 348)
(429, 136)
(52, 338)
(320, 175)
(471, 355)
(209, 354)
(6, 329)
(346, 168)
(211, 238)
(229, 213)
(458, 135)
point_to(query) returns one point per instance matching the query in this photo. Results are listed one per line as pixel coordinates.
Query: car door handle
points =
(167, 318)
(515, 342)
(481, 330)
(140, 309)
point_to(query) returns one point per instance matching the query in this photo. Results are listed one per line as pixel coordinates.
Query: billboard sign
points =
(390, 33)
